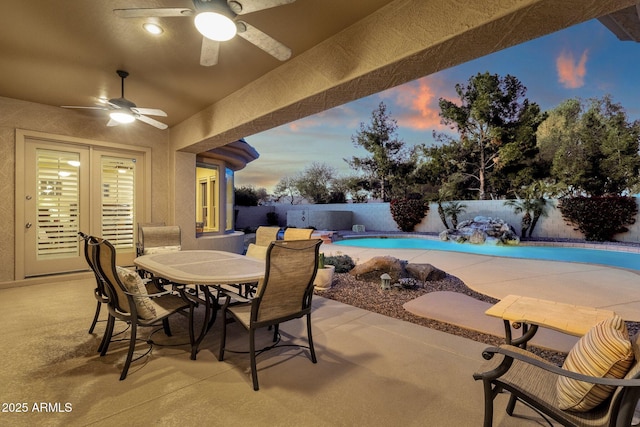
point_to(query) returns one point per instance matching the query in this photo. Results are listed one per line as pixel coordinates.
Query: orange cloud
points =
(420, 103)
(571, 74)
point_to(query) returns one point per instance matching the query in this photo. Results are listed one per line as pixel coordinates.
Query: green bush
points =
(408, 213)
(599, 218)
(343, 263)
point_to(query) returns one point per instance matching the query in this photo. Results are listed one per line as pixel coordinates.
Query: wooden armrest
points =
(511, 353)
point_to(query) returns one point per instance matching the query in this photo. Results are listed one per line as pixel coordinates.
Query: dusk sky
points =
(583, 61)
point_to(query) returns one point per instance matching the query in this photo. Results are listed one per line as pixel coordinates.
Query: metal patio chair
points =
(283, 295)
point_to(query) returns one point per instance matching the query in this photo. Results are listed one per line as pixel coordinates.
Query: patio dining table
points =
(202, 269)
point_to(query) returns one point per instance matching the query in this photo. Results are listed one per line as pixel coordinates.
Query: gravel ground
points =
(369, 296)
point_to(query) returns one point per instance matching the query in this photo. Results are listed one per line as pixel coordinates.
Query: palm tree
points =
(534, 205)
(442, 196)
(522, 206)
(453, 209)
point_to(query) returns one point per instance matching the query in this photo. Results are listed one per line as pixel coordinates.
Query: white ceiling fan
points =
(121, 110)
(216, 21)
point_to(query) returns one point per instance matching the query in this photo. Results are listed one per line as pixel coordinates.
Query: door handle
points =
(28, 225)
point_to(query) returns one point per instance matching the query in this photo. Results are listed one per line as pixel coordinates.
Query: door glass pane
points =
(58, 198)
(118, 201)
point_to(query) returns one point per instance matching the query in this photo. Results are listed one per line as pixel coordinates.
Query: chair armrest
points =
(514, 353)
(147, 295)
(235, 296)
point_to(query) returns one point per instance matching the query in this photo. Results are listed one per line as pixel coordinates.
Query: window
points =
(230, 200)
(207, 215)
(118, 202)
(57, 202)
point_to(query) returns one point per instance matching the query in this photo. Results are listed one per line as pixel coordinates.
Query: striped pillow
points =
(605, 352)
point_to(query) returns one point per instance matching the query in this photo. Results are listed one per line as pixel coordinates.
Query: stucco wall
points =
(16, 114)
(377, 217)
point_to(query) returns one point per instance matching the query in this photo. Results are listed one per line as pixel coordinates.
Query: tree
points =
(246, 196)
(390, 163)
(593, 147)
(452, 210)
(341, 187)
(314, 183)
(496, 126)
(286, 188)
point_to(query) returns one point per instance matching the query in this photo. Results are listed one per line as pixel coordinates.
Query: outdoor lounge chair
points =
(283, 295)
(535, 382)
(128, 300)
(298, 233)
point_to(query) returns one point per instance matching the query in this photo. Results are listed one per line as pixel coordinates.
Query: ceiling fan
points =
(216, 21)
(121, 110)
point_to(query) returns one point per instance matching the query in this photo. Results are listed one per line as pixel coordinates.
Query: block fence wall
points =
(377, 217)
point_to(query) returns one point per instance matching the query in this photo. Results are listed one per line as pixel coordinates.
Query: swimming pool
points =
(630, 260)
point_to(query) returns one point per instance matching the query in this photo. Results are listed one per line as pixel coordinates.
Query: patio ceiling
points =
(67, 52)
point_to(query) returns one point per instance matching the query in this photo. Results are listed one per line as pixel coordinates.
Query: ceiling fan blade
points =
(270, 45)
(248, 6)
(149, 111)
(209, 53)
(152, 122)
(84, 108)
(157, 12)
(112, 123)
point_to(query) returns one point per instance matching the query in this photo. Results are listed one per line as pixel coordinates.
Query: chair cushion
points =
(605, 352)
(135, 285)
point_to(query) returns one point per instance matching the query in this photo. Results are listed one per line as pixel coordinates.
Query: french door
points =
(70, 188)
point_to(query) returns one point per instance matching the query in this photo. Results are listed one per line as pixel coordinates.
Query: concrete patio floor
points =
(371, 370)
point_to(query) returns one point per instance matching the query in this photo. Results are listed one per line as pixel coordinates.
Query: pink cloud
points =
(571, 73)
(419, 102)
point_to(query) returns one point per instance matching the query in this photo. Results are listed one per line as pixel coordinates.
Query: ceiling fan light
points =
(215, 26)
(122, 117)
(153, 28)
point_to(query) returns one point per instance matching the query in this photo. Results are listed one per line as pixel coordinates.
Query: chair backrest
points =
(118, 302)
(298, 233)
(287, 288)
(155, 239)
(90, 251)
(256, 251)
(266, 235)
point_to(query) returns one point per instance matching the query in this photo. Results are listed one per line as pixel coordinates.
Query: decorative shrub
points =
(408, 213)
(599, 218)
(343, 263)
(272, 218)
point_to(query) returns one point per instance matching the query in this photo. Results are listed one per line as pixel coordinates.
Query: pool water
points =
(630, 260)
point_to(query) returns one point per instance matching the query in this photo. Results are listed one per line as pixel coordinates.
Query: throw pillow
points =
(135, 285)
(605, 352)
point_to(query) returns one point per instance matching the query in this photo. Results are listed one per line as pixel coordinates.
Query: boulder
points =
(482, 230)
(477, 237)
(425, 272)
(377, 266)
